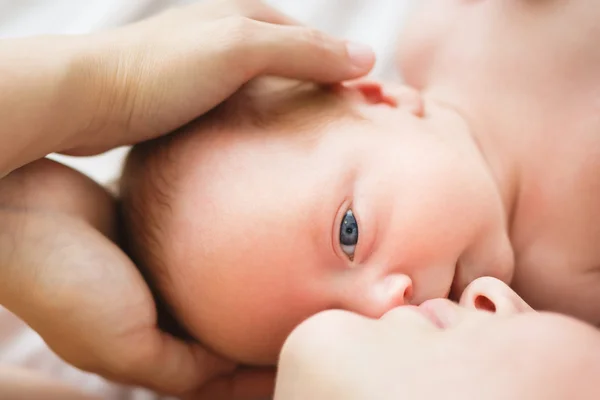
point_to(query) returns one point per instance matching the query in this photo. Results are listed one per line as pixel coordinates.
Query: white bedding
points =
(376, 22)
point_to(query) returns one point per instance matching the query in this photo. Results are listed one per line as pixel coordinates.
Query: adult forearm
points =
(48, 187)
(47, 97)
(44, 206)
(14, 227)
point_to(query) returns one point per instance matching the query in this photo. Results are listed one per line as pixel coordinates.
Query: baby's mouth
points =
(441, 312)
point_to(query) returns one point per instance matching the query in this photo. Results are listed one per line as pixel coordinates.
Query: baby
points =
(291, 199)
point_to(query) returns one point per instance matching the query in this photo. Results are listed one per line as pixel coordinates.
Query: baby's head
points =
(291, 199)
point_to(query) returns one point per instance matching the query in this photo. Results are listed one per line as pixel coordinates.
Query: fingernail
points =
(361, 55)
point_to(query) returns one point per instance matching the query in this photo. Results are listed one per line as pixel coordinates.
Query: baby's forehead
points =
(226, 172)
(261, 124)
(224, 166)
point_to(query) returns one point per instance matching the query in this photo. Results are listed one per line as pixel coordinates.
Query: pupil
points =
(349, 230)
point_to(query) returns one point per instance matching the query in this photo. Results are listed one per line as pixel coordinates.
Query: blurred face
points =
(272, 225)
(442, 350)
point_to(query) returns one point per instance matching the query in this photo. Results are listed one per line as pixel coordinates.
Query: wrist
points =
(47, 97)
(101, 78)
(84, 94)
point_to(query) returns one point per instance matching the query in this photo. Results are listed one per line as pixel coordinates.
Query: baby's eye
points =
(349, 234)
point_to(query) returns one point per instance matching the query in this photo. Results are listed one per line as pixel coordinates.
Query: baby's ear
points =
(409, 99)
(403, 97)
(372, 92)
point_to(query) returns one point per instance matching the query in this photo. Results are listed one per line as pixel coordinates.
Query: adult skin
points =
(443, 350)
(85, 94)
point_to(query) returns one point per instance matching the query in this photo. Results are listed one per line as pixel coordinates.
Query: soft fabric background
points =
(375, 22)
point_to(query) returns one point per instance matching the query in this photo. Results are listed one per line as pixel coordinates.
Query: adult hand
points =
(95, 92)
(62, 273)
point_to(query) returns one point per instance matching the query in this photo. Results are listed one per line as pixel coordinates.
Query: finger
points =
(169, 365)
(243, 385)
(259, 48)
(252, 9)
(260, 11)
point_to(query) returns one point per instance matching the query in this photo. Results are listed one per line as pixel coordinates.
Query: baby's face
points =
(272, 225)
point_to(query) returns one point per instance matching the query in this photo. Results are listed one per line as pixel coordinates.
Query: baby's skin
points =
(525, 76)
(369, 196)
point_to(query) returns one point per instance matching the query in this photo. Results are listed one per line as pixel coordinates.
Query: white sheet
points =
(376, 22)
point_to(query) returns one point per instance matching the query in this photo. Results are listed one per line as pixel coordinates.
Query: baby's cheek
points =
(246, 315)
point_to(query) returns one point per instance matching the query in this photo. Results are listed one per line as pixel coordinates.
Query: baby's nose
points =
(388, 293)
(493, 295)
(374, 296)
(396, 290)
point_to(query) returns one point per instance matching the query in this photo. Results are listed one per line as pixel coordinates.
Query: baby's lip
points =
(441, 312)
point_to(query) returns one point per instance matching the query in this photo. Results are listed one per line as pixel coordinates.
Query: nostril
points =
(396, 290)
(408, 294)
(481, 302)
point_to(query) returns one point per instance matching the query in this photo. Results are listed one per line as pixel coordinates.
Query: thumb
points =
(159, 361)
(296, 52)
